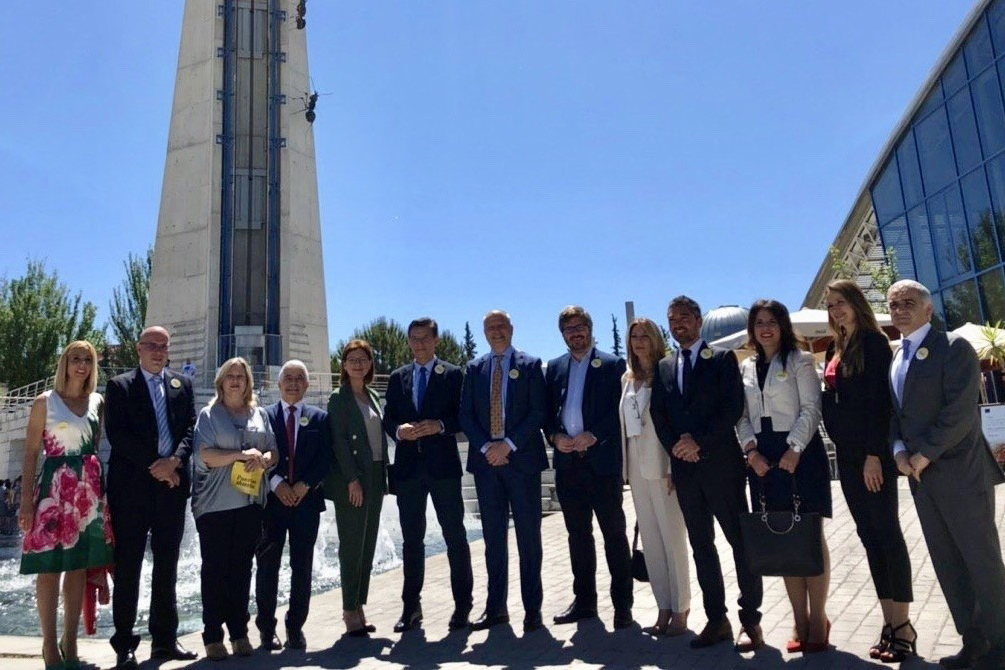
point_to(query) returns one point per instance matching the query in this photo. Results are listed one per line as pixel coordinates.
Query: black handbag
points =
(783, 544)
(639, 570)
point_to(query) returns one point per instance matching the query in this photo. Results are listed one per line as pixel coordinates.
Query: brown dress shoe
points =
(714, 632)
(755, 639)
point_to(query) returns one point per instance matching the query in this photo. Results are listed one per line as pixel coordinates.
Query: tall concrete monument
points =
(237, 266)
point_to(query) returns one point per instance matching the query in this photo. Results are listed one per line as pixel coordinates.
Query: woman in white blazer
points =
(646, 468)
(779, 436)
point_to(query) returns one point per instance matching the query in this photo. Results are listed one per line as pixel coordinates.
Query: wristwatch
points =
(796, 448)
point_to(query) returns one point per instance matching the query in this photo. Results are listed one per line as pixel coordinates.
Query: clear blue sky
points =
(476, 155)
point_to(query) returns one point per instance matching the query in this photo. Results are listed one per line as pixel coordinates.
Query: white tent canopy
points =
(981, 338)
(810, 323)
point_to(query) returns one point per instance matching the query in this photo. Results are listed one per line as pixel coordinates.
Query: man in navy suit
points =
(294, 506)
(584, 391)
(502, 411)
(421, 415)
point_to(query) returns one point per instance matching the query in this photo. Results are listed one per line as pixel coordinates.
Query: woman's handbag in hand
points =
(639, 570)
(783, 544)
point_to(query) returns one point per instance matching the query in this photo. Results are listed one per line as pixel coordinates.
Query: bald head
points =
(498, 330)
(152, 349)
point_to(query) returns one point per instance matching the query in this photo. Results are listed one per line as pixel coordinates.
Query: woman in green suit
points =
(358, 484)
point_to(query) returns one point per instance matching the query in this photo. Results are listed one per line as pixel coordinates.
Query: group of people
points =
(690, 430)
(10, 502)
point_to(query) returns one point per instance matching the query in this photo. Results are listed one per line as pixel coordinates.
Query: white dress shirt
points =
(694, 349)
(915, 338)
(276, 480)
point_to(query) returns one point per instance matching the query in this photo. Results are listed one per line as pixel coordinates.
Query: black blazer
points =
(857, 413)
(131, 425)
(313, 454)
(525, 410)
(708, 410)
(601, 398)
(441, 402)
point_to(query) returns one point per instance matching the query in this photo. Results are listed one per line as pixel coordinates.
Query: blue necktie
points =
(421, 386)
(158, 393)
(905, 358)
(686, 375)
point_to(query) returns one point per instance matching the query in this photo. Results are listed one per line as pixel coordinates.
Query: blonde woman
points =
(233, 428)
(647, 470)
(64, 516)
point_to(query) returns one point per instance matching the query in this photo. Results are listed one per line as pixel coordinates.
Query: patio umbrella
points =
(981, 338)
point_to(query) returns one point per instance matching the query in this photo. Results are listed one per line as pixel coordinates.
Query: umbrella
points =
(981, 338)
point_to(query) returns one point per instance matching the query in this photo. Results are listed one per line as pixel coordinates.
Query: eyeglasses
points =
(577, 328)
(357, 360)
(153, 346)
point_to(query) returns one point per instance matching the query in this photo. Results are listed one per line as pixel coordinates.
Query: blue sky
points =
(476, 155)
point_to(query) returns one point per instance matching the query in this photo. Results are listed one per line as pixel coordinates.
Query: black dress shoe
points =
(270, 642)
(532, 621)
(714, 632)
(575, 612)
(295, 639)
(459, 619)
(409, 619)
(623, 619)
(966, 657)
(175, 652)
(487, 620)
(126, 660)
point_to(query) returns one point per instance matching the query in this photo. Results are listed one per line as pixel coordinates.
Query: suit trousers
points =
(718, 495)
(449, 505)
(501, 490)
(664, 540)
(357, 539)
(583, 493)
(227, 542)
(161, 515)
(301, 523)
(878, 524)
(962, 540)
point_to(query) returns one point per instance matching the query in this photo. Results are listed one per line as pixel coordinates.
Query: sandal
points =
(876, 651)
(794, 646)
(657, 629)
(68, 663)
(900, 648)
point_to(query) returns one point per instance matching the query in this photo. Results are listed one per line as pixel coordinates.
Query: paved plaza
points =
(852, 608)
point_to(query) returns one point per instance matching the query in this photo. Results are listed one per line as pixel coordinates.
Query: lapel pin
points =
(922, 354)
(782, 375)
(439, 368)
(706, 354)
(175, 384)
(595, 362)
(304, 421)
(514, 373)
(62, 425)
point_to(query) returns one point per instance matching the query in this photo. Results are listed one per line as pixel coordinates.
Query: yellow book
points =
(246, 482)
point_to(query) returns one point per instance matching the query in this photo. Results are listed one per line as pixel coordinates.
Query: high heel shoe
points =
(68, 663)
(876, 650)
(817, 647)
(54, 666)
(900, 647)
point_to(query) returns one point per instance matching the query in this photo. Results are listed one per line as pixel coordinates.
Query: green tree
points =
(38, 318)
(470, 349)
(666, 336)
(450, 350)
(389, 342)
(883, 275)
(616, 349)
(128, 309)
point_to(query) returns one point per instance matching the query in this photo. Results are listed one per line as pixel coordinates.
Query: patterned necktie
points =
(421, 387)
(905, 358)
(686, 375)
(165, 442)
(291, 438)
(495, 401)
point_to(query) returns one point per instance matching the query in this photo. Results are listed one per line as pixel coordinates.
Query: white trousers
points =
(664, 541)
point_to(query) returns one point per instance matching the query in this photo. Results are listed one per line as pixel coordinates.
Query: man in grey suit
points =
(937, 442)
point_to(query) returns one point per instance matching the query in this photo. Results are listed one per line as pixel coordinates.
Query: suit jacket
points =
(131, 425)
(653, 461)
(791, 397)
(601, 397)
(525, 410)
(939, 417)
(312, 457)
(708, 410)
(350, 446)
(443, 396)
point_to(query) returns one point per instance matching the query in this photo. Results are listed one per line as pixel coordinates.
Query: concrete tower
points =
(237, 266)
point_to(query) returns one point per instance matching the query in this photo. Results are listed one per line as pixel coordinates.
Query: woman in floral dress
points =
(64, 516)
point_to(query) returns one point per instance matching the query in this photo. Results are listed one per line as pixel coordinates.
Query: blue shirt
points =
(572, 407)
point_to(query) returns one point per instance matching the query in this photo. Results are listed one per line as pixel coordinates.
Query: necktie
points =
(165, 442)
(905, 358)
(421, 387)
(291, 438)
(495, 401)
(686, 375)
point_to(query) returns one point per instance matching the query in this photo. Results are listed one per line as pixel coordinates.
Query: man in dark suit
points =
(937, 442)
(294, 506)
(696, 401)
(502, 411)
(584, 391)
(421, 415)
(149, 416)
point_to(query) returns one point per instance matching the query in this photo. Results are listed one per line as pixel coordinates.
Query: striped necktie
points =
(165, 442)
(495, 401)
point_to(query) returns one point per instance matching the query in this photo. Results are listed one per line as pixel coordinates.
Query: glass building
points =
(934, 203)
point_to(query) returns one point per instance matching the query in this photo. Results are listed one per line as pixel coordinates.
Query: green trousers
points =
(357, 539)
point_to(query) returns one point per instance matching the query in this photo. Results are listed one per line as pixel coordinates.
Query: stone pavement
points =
(852, 608)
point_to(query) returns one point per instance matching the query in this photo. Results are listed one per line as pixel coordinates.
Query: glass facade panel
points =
(921, 246)
(910, 173)
(996, 180)
(996, 21)
(897, 239)
(886, 196)
(980, 220)
(955, 76)
(933, 100)
(961, 119)
(949, 233)
(978, 48)
(961, 304)
(992, 290)
(935, 151)
(988, 110)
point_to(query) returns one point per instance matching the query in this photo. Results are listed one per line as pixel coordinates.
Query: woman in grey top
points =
(232, 428)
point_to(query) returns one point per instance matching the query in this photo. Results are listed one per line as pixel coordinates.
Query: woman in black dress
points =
(856, 408)
(782, 445)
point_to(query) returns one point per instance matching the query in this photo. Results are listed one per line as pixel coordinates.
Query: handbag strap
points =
(635, 541)
(796, 500)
